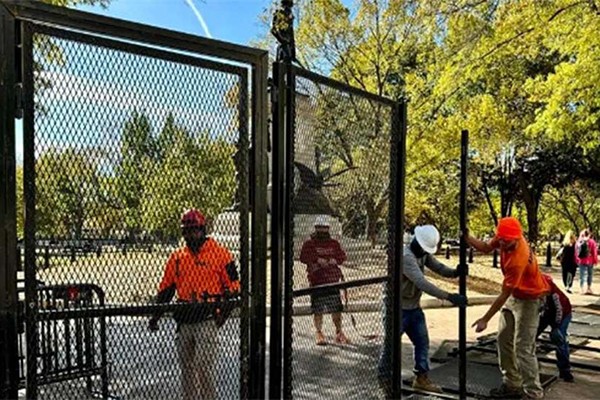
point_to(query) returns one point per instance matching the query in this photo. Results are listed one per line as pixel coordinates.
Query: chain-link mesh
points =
(125, 140)
(340, 208)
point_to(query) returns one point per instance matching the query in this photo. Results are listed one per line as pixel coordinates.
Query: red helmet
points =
(192, 218)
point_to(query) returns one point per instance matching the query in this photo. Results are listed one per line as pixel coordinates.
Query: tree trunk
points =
(490, 204)
(373, 215)
(531, 199)
(377, 212)
(532, 221)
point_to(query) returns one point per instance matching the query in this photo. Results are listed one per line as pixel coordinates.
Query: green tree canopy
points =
(521, 75)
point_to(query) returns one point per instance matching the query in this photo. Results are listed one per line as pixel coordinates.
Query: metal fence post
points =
(399, 130)
(259, 230)
(9, 366)
(277, 227)
(290, 136)
(29, 196)
(462, 311)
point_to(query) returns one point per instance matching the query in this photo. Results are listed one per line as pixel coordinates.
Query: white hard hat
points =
(322, 220)
(428, 237)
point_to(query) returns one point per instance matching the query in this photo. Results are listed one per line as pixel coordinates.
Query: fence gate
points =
(123, 126)
(343, 150)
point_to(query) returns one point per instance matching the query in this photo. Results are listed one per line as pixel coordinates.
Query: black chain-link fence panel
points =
(125, 139)
(340, 219)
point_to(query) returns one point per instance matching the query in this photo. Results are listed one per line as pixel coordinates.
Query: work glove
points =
(460, 268)
(457, 299)
(223, 311)
(221, 317)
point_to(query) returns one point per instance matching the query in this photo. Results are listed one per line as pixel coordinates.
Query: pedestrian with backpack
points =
(566, 255)
(586, 256)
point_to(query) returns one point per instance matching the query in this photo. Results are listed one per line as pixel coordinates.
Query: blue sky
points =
(230, 20)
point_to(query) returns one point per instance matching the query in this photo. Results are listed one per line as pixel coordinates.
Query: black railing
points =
(72, 343)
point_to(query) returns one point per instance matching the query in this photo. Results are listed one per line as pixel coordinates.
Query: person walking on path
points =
(417, 255)
(566, 255)
(556, 313)
(586, 256)
(323, 256)
(523, 288)
(203, 275)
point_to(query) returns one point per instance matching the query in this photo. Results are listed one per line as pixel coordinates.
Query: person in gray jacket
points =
(417, 255)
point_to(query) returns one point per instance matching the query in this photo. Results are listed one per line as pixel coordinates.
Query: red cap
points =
(509, 228)
(192, 218)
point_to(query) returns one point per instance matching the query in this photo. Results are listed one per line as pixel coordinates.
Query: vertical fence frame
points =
(285, 76)
(290, 128)
(259, 228)
(8, 232)
(31, 298)
(398, 171)
(23, 15)
(462, 283)
(26, 14)
(278, 101)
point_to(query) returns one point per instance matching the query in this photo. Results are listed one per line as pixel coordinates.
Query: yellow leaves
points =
(511, 72)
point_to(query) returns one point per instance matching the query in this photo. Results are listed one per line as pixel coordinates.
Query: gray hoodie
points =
(414, 282)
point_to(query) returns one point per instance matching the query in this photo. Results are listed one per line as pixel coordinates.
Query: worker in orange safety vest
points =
(204, 277)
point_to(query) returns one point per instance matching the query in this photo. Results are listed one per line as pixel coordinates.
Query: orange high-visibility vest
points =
(194, 274)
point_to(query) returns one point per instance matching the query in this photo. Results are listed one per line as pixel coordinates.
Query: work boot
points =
(506, 392)
(566, 376)
(321, 339)
(422, 382)
(341, 338)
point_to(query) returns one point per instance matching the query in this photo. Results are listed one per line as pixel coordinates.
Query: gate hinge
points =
(19, 101)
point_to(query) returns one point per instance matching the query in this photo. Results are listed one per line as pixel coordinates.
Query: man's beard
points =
(195, 243)
(321, 235)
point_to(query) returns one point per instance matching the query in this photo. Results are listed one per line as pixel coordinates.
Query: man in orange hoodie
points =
(522, 291)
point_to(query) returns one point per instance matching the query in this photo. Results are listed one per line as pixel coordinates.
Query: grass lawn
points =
(133, 277)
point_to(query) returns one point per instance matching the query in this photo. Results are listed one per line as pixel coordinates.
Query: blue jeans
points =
(585, 272)
(413, 323)
(558, 336)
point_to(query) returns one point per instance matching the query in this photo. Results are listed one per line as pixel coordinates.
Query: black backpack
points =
(584, 249)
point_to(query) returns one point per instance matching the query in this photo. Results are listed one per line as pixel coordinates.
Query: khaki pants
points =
(197, 347)
(516, 345)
